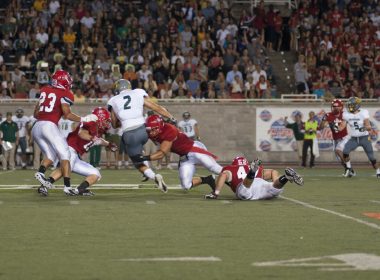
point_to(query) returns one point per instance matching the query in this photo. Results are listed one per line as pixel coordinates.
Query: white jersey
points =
(129, 108)
(65, 126)
(188, 127)
(356, 122)
(22, 124)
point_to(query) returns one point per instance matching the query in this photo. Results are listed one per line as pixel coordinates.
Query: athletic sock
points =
(51, 180)
(283, 180)
(42, 169)
(348, 164)
(150, 174)
(83, 186)
(66, 181)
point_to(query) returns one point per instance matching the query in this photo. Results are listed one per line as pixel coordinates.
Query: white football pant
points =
(259, 189)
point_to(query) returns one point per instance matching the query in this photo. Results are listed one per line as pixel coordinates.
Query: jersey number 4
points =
(241, 174)
(50, 100)
(126, 104)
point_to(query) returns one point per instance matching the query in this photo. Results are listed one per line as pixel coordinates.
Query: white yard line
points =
(173, 259)
(1, 202)
(225, 202)
(5, 172)
(96, 187)
(344, 216)
(150, 202)
(375, 201)
(74, 202)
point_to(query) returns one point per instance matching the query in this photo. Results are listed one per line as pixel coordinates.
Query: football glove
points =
(255, 164)
(211, 196)
(89, 118)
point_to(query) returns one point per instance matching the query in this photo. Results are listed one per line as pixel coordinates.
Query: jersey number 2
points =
(126, 104)
(51, 98)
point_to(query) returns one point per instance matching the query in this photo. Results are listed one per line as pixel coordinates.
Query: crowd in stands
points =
(187, 49)
(339, 48)
(173, 49)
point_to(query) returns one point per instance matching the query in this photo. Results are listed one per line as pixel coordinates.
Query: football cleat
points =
(293, 176)
(42, 179)
(70, 191)
(86, 192)
(349, 172)
(42, 191)
(160, 183)
(210, 180)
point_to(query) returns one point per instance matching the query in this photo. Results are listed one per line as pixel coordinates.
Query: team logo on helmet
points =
(240, 161)
(265, 115)
(154, 125)
(61, 79)
(353, 104)
(104, 118)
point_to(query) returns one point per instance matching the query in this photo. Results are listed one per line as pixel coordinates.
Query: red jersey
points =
(78, 143)
(51, 99)
(181, 145)
(237, 173)
(333, 121)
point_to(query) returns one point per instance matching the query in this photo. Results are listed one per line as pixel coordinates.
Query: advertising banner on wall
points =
(272, 135)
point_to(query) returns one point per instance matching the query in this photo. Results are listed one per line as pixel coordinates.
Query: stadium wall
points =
(233, 128)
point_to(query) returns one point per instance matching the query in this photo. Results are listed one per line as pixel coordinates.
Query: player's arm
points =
(368, 127)
(94, 140)
(158, 109)
(342, 125)
(115, 122)
(164, 150)
(36, 110)
(67, 114)
(220, 181)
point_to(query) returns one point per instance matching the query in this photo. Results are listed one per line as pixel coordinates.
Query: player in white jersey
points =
(189, 126)
(23, 128)
(360, 131)
(66, 126)
(126, 109)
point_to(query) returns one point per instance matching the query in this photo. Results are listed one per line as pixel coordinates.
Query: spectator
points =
(231, 75)
(23, 129)
(301, 75)
(9, 141)
(34, 92)
(263, 88)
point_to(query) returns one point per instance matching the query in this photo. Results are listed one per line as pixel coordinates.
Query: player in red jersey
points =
(334, 120)
(86, 135)
(191, 152)
(54, 103)
(248, 182)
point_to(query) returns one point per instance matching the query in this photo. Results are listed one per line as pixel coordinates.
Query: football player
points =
(360, 130)
(191, 152)
(248, 182)
(334, 120)
(189, 126)
(86, 135)
(23, 128)
(54, 103)
(126, 109)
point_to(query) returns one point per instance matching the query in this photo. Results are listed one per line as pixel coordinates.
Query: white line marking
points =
(375, 201)
(305, 204)
(150, 202)
(1, 202)
(173, 259)
(5, 172)
(74, 202)
(225, 202)
(96, 187)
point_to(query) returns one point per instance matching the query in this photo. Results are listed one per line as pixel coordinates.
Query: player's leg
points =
(351, 145)
(186, 171)
(338, 149)
(85, 169)
(134, 141)
(209, 163)
(304, 152)
(22, 143)
(367, 146)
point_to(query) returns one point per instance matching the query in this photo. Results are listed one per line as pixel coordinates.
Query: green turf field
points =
(317, 231)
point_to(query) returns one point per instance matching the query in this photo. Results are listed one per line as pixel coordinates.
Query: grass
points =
(59, 237)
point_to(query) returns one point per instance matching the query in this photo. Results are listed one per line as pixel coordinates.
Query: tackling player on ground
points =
(191, 152)
(86, 135)
(248, 182)
(54, 103)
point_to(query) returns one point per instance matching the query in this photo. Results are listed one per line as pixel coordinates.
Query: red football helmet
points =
(154, 125)
(240, 161)
(336, 106)
(61, 79)
(104, 118)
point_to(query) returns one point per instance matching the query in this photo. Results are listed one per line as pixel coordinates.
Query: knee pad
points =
(137, 160)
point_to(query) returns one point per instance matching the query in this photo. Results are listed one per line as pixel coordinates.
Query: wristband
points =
(146, 158)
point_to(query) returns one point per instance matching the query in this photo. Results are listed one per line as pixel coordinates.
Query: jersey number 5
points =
(126, 104)
(51, 98)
